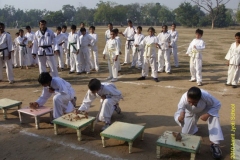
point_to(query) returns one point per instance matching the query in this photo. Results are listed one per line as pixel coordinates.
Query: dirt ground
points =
(146, 103)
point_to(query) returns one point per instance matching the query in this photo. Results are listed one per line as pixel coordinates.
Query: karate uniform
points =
(207, 104)
(93, 50)
(174, 49)
(65, 50)
(64, 94)
(23, 54)
(137, 51)
(74, 55)
(6, 46)
(82, 45)
(111, 50)
(149, 55)
(129, 35)
(30, 38)
(113, 96)
(164, 52)
(42, 46)
(233, 56)
(120, 45)
(107, 35)
(59, 57)
(79, 33)
(15, 57)
(196, 59)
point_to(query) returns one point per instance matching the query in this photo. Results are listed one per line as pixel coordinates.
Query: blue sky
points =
(57, 4)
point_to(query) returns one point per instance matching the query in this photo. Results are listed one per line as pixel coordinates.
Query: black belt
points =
(3, 52)
(46, 47)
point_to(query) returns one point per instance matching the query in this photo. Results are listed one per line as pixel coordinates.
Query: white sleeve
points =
(44, 97)
(117, 47)
(55, 44)
(214, 105)
(181, 108)
(106, 36)
(35, 45)
(105, 49)
(9, 43)
(78, 43)
(201, 46)
(189, 48)
(87, 101)
(228, 56)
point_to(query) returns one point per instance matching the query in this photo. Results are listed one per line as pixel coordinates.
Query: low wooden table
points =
(189, 143)
(37, 113)
(79, 125)
(6, 104)
(237, 149)
(123, 131)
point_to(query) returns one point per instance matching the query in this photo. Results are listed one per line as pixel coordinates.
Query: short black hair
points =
(151, 28)
(194, 93)
(115, 30)
(42, 21)
(2, 24)
(165, 26)
(58, 28)
(73, 27)
(20, 30)
(174, 24)
(28, 27)
(94, 84)
(64, 26)
(44, 78)
(92, 27)
(129, 21)
(237, 34)
(139, 27)
(110, 24)
(82, 23)
(17, 33)
(199, 31)
(83, 30)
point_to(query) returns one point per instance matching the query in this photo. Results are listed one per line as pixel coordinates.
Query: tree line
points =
(150, 14)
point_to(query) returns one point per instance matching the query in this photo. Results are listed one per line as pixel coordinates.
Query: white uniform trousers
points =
(9, 68)
(75, 62)
(23, 58)
(113, 68)
(32, 61)
(107, 109)
(233, 74)
(174, 51)
(59, 58)
(137, 57)
(127, 52)
(145, 68)
(196, 69)
(85, 59)
(42, 60)
(94, 58)
(67, 59)
(15, 57)
(164, 60)
(190, 126)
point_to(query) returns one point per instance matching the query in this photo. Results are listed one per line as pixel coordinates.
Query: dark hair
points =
(2, 24)
(28, 27)
(44, 78)
(110, 24)
(73, 27)
(115, 30)
(129, 21)
(174, 24)
(17, 33)
(139, 27)
(94, 84)
(58, 28)
(83, 30)
(194, 93)
(82, 23)
(237, 34)
(42, 21)
(20, 30)
(151, 28)
(64, 26)
(199, 31)
(92, 27)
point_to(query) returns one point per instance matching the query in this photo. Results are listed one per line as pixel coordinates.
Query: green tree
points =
(68, 12)
(224, 18)
(54, 18)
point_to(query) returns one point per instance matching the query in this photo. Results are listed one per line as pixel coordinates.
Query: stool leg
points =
(55, 129)
(103, 141)
(5, 113)
(93, 126)
(20, 106)
(37, 122)
(158, 152)
(142, 136)
(79, 134)
(51, 116)
(130, 146)
(192, 156)
(20, 117)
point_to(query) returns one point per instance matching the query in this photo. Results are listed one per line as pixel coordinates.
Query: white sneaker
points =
(199, 83)
(105, 126)
(192, 80)
(114, 80)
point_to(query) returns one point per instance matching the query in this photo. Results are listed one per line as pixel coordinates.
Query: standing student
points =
(129, 35)
(82, 25)
(150, 43)
(84, 42)
(111, 52)
(137, 51)
(15, 57)
(30, 37)
(110, 97)
(116, 31)
(93, 50)
(174, 49)
(64, 98)
(60, 40)
(195, 52)
(22, 44)
(73, 51)
(164, 50)
(44, 38)
(233, 57)
(6, 48)
(64, 45)
(195, 104)
(108, 32)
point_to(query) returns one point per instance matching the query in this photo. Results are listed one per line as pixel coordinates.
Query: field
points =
(146, 103)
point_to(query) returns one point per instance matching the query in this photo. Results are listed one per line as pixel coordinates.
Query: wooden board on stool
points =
(123, 131)
(6, 104)
(189, 143)
(37, 113)
(79, 125)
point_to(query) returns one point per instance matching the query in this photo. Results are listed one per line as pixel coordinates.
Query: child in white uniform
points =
(15, 57)
(64, 45)
(60, 40)
(93, 50)
(23, 54)
(138, 51)
(174, 49)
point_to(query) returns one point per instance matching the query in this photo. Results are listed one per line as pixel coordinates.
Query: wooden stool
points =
(124, 132)
(36, 113)
(79, 125)
(189, 143)
(237, 149)
(6, 104)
